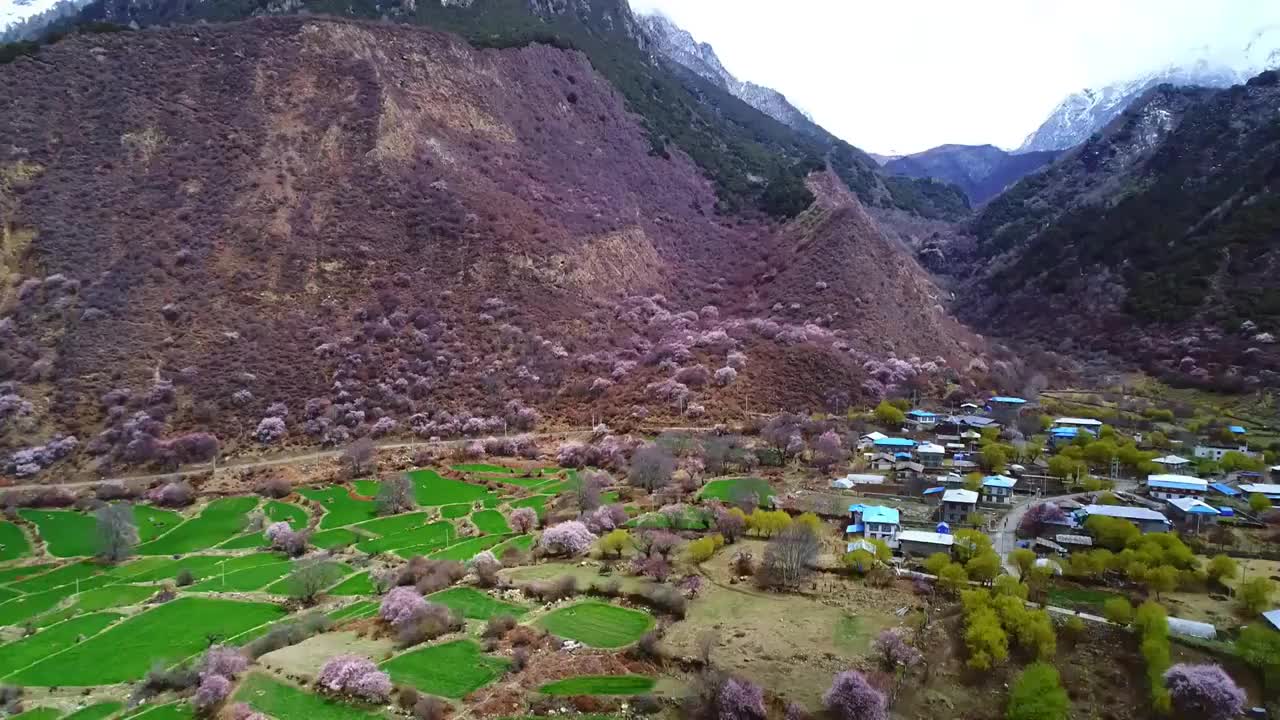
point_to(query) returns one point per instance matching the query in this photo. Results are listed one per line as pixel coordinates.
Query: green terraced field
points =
(334, 571)
(172, 711)
(393, 524)
(361, 609)
(340, 508)
(12, 574)
(537, 502)
(13, 543)
(153, 522)
(358, 584)
(101, 711)
(220, 521)
(112, 596)
(598, 624)
(26, 607)
(600, 685)
(455, 511)
(244, 580)
(520, 542)
(66, 533)
(51, 640)
(57, 578)
(490, 522)
(432, 489)
(277, 511)
(432, 536)
(326, 539)
(167, 633)
(464, 550)
(726, 489)
(282, 701)
(449, 670)
(482, 468)
(474, 604)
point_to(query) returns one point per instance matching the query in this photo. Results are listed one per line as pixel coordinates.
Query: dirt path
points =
(289, 459)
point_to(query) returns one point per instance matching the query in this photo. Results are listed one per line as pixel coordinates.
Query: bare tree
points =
(651, 468)
(359, 457)
(396, 496)
(309, 578)
(590, 487)
(789, 556)
(117, 532)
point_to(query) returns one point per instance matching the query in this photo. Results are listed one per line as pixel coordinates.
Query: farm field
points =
(279, 700)
(50, 641)
(450, 670)
(13, 543)
(218, 522)
(598, 624)
(99, 711)
(473, 604)
(729, 489)
(433, 489)
(599, 685)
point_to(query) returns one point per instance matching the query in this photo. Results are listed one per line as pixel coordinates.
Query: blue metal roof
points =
(922, 414)
(1238, 429)
(1273, 617)
(1224, 489)
(1227, 512)
(999, 481)
(934, 490)
(857, 507)
(902, 456)
(1174, 485)
(1006, 399)
(854, 528)
(1065, 432)
(895, 442)
(943, 529)
(880, 514)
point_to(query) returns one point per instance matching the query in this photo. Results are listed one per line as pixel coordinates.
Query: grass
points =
(358, 584)
(153, 522)
(66, 533)
(455, 511)
(432, 489)
(521, 542)
(279, 700)
(112, 596)
(220, 521)
(600, 685)
(852, 633)
(1074, 596)
(200, 566)
(537, 502)
(13, 543)
(28, 606)
(57, 578)
(393, 524)
(172, 711)
(466, 549)
(340, 508)
(483, 468)
(334, 571)
(422, 538)
(18, 573)
(450, 670)
(277, 511)
(326, 539)
(50, 641)
(167, 633)
(728, 489)
(598, 624)
(244, 580)
(6, 594)
(474, 604)
(101, 711)
(361, 609)
(43, 713)
(491, 522)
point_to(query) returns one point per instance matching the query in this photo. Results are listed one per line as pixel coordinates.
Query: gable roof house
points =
(1167, 487)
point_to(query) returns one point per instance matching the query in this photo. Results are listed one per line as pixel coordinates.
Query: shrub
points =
(789, 557)
(286, 634)
(1037, 694)
(523, 520)
(116, 531)
(354, 676)
(286, 539)
(570, 539)
(429, 623)
(401, 606)
(498, 625)
(212, 691)
(893, 650)
(935, 562)
(740, 700)
(952, 578)
(270, 430)
(615, 542)
(222, 660)
(276, 487)
(429, 707)
(396, 496)
(1118, 610)
(851, 697)
(1222, 567)
(1255, 593)
(730, 523)
(701, 550)
(1204, 691)
(486, 568)
(651, 468)
(174, 494)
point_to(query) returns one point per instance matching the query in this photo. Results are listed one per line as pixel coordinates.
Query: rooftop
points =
(1171, 460)
(895, 442)
(922, 536)
(956, 495)
(1264, 488)
(1224, 489)
(921, 414)
(1177, 482)
(1079, 422)
(875, 435)
(1238, 429)
(1122, 511)
(931, 449)
(1192, 505)
(1008, 400)
(999, 481)
(1271, 616)
(933, 491)
(880, 514)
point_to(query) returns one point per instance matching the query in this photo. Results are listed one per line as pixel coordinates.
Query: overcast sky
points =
(900, 76)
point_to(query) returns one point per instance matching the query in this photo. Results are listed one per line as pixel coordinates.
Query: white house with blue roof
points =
(998, 489)
(874, 522)
(1169, 487)
(1192, 512)
(895, 444)
(922, 419)
(1005, 408)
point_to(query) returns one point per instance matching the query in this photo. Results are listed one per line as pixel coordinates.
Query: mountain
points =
(678, 45)
(1084, 113)
(982, 171)
(1157, 240)
(331, 227)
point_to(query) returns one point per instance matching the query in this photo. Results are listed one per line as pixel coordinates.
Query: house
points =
(922, 419)
(869, 439)
(1192, 512)
(1172, 463)
(1273, 618)
(894, 445)
(957, 505)
(934, 491)
(1074, 542)
(1224, 489)
(1089, 424)
(1272, 492)
(951, 479)
(1275, 471)
(1006, 409)
(964, 466)
(1215, 452)
(1062, 436)
(1167, 487)
(874, 522)
(920, 543)
(1237, 430)
(1146, 520)
(998, 489)
(931, 455)
(848, 481)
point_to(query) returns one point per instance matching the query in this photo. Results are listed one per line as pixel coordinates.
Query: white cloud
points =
(905, 75)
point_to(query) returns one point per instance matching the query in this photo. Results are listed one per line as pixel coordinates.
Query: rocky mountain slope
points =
(981, 171)
(1157, 240)
(678, 45)
(295, 230)
(1084, 113)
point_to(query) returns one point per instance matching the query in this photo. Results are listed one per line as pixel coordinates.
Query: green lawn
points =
(66, 533)
(51, 640)
(455, 511)
(57, 578)
(244, 580)
(491, 522)
(451, 670)
(598, 624)
(167, 633)
(466, 549)
(101, 711)
(13, 543)
(432, 489)
(153, 522)
(339, 507)
(727, 489)
(358, 584)
(220, 521)
(286, 702)
(600, 685)
(474, 604)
